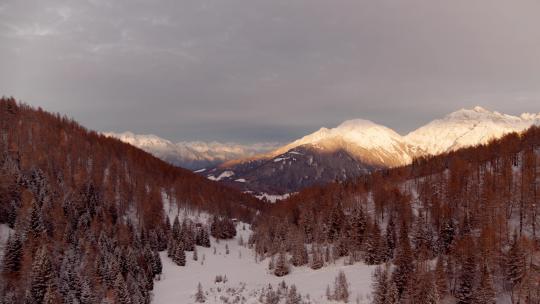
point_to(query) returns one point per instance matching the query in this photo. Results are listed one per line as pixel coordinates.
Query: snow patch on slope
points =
(224, 174)
(5, 231)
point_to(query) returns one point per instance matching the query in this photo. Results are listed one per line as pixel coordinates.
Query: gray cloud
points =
(254, 70)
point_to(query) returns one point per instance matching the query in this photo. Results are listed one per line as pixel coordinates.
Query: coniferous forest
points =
(461, 226)
(88, 220)
(87, 212)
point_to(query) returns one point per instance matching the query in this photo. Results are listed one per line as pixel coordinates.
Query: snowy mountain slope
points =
(359, 137)
(192, 155)
(357, 146)
(467, 127)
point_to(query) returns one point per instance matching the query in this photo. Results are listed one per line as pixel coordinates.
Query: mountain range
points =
(353, 148)
(192, 155)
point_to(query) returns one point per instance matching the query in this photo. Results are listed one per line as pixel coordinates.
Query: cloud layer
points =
(254, 70)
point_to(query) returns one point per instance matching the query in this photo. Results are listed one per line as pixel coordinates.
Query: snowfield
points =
(246, 277)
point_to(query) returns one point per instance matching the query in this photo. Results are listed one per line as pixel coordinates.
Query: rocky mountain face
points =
(359, 146)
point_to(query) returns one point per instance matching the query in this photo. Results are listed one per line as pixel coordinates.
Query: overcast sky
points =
(272, 70)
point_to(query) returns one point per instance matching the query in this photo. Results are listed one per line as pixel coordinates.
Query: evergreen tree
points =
(299, 255)
(515, 263)
(403, 261)
(199, 296)
(374, 254)
(171, 247)
(121, 291)
(390, 239)
(157, 267)
(380, 285)
(316, 257)
(341, 288)
(467, 279)
(195, 256)
(179, 255)
(12, 254)
(422, 288)
(484, 293)
(357, 227)
(446, 236)
(293, 297)
(176, 229)
(335, 222)
(282, 266)
(440, 278)
(51, 295)
(40, 277)
(35, 222)
(87, 295)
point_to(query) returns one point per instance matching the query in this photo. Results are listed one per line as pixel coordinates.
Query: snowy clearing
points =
(247, 277)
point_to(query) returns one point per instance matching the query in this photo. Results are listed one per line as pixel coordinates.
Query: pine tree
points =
(422, 288)
(484, 293)
(40, 277)
(341, 288)
(403, 261)
(87, 295)
(12, 254)
(380, 285)
(467, 278)
(35, 223)
(195, 256)
(440, 278)
(51, 296)
(121, 291)
(446, 236)
(316, 258)
(282, 266)
(390, 239)
(515, 263)
(199, 296)
(171, 247)
(300, 255)
(357, 225)
(176, 229)
(157, 266)
(179, 255)
(293, 297)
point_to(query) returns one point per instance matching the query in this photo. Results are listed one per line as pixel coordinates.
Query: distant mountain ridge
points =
(194, 155)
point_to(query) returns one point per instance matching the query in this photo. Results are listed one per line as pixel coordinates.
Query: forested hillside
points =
(462, 226)
(86, 211)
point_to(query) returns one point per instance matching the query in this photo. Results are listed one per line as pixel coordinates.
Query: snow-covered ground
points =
(5, 231)
(272, 198)
(246, 277)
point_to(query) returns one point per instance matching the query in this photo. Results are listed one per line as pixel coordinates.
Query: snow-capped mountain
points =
(362, 139)
(352, 148)
(357, 146)
(195, 155)
(467, 127)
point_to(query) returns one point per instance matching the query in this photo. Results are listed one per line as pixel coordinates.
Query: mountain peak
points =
(467, 127)
(480, 109)
(357, 123)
